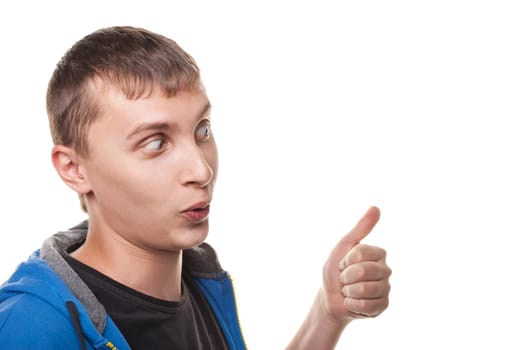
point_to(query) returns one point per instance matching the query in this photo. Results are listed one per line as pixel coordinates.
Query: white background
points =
(320, 109)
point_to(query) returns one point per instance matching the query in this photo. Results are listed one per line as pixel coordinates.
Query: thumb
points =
(360, 231)
(362, 228)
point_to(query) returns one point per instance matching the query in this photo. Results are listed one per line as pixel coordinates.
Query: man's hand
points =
(355, 276)
(355, 285)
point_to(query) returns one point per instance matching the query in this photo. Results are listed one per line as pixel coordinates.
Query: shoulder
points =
(29, 322)
(33, 312)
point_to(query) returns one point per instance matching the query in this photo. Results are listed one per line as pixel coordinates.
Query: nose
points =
(197, 169)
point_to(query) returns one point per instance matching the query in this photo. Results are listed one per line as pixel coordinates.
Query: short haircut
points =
(134, 60)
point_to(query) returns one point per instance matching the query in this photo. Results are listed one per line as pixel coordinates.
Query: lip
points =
(198, 212)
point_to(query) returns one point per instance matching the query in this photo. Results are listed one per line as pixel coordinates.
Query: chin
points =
(193, 236)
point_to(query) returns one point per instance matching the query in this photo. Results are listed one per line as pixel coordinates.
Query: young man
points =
(130, 121)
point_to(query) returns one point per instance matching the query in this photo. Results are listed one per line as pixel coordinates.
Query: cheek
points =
(123, 183)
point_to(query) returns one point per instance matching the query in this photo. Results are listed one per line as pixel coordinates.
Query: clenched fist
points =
(356, 276)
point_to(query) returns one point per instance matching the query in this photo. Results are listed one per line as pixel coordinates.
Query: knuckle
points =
(358, 272)
(357, 254)
(346, 260)
(362, 289)
(383, 271)
(345, 276)
(385, 303)
(381, 306)
(363, 304)
(347, 303)
(386, 288)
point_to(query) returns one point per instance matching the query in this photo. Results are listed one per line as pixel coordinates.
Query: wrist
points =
(326, 318)
(320, 330)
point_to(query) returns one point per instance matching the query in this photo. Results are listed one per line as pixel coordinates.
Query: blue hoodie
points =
(45, 305)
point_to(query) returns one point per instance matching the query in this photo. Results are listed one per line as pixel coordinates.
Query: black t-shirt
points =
(150, 323)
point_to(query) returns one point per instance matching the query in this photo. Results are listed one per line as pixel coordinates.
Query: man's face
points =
(151, 167)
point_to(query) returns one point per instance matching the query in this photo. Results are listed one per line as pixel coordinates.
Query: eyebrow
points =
(160, 126)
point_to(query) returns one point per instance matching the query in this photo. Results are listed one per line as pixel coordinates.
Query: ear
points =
(69, 167)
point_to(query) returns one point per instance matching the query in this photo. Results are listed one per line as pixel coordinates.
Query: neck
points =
(155, 273)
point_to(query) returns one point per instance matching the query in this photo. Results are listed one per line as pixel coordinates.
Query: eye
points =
(155, 145)
(203, 131)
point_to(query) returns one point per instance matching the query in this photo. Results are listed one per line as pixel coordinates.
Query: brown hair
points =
(133, 59)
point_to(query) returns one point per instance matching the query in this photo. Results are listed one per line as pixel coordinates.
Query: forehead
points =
(112, 99)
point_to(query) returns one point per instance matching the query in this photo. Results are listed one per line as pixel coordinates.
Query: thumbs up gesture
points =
(356, 276)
